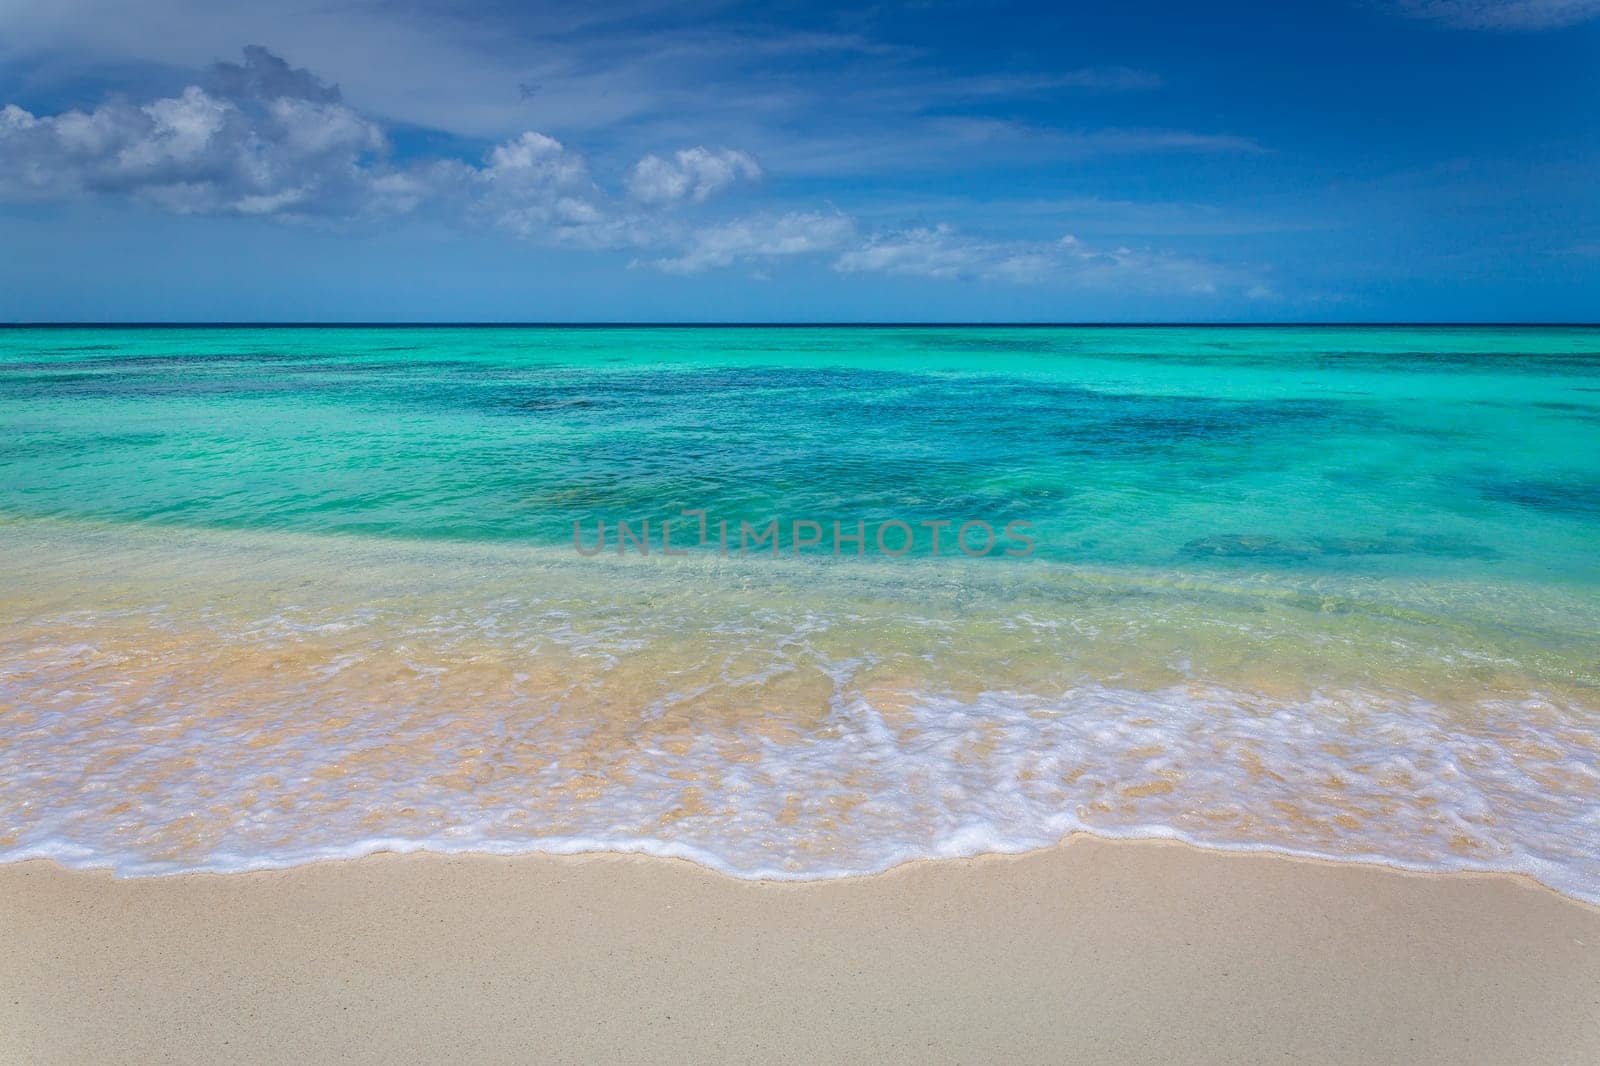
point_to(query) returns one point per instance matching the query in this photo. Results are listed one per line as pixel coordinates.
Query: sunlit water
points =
(278, 595)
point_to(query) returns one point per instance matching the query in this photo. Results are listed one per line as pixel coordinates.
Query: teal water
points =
(1324, 590)
(1459, 451)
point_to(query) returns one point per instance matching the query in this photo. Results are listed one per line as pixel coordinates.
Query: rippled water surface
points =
(281, 594)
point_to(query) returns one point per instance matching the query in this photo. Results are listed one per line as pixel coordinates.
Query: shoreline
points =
(1088, 950)
(361, 673)
(647, 851)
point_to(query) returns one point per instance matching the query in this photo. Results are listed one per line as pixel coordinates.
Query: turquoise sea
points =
(278, 594)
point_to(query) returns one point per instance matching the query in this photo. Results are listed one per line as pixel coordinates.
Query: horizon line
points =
(773, 324)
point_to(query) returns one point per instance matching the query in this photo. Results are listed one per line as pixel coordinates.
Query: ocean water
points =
(275, 595)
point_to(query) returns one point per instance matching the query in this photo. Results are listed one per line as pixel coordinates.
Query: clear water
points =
(281, 594)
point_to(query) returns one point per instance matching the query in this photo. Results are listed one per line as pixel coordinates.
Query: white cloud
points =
(264, 139)
(193, 153)
(943, 253)
(693, 174)
(1503, 14)
(534, 160)
(640, 72)
(762, 237)
(536, 187)
(940, 252)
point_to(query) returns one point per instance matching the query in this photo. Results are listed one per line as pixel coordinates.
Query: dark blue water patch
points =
(1580, 364)
(705, 392)
(125, 386)
(1135, 425)
(54, 444)
(28, 383)
(1427, 357)
(1581, 411)
(1245, 546)
(1050, 417)
(887, 427)
(673, 381)
(977, 343)
(1443, 362)
(1559, 406)
(1437, 545)
(146, 378)
(1022, 407)
(558, 403)
(1260, 546)
(152, 361)
(1567, 496)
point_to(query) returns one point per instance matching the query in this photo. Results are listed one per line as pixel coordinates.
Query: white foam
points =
(1346, 776)
(242, 702)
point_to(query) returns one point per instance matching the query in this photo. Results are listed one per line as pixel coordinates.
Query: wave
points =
(883, 778)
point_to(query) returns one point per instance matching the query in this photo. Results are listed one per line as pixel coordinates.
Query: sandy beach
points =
(1087, 952)
(615, 532)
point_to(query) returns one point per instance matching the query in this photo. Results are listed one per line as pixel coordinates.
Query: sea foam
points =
(1340, 776)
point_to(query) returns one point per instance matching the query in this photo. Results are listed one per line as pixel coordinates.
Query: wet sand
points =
(1087, 952)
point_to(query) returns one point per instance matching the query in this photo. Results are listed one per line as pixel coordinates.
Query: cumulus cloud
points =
(193, 153)
(694, 174)
(1503, 14)
(538, 189)
(263, 138)
(534, 160)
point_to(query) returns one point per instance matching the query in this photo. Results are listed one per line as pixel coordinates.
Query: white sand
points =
(1089, 952)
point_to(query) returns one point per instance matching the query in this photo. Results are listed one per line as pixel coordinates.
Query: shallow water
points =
(286, 594)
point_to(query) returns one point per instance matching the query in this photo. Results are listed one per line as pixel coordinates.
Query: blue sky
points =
(1343, 160)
